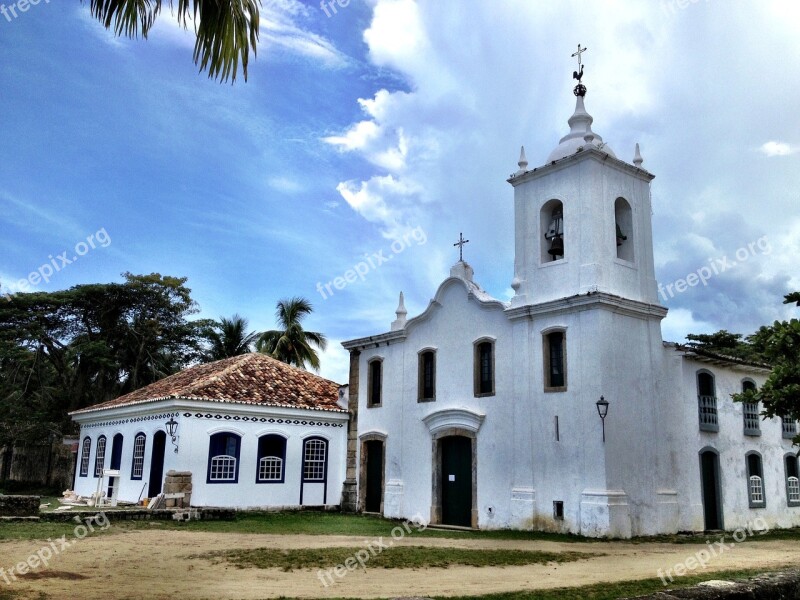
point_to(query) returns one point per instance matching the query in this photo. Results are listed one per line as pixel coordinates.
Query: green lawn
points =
(399, 557)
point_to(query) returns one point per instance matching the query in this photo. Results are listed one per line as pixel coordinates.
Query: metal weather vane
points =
(580, 89)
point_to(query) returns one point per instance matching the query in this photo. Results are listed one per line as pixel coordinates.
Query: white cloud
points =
(773, 148)
(286, 185)
(383, 200)
(358, 137)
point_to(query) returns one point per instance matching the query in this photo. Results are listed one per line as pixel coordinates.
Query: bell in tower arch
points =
(555, 234)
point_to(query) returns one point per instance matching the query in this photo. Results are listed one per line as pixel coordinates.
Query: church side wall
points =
(732, 446)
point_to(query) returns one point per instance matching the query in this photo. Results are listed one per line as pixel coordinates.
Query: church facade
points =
(563, 409)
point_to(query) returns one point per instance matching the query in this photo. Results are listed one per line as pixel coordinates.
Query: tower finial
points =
(637, 157)
(401, 312)
(523, 161)
(580, 89)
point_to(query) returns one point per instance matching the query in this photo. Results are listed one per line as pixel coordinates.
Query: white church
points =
(563, 409)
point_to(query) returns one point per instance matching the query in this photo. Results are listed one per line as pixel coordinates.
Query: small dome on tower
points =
(580, 125)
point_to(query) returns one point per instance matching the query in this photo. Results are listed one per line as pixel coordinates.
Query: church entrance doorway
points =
(712, 496)
(374, 460)
(456, 480)
(116, 460)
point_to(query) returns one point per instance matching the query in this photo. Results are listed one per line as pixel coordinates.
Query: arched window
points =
(271, 459)
(483, 369)
(315, 460)
(792, 480)
(552, 231)
(223, 458)
(755, 480)
(623, 218)
(752, 423)
(86, 449)
(375, 383)
(137, 466)
(555, 361)
(707, 401)
(427, 376)
(100, 456)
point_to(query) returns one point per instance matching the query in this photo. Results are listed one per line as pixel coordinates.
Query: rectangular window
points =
(755, 480)
(558, 510)
(100, 456)
(270, 468)
(789, 428)
(138, 456)
(707, 402)
(427, 376)
(484, 369)
(752, 425)
(314, 460)
(375, 383)
(85, 451)
(555, 376)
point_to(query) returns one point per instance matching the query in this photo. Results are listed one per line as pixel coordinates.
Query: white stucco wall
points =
(197, 422)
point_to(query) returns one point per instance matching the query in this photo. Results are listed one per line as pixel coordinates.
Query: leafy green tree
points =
(65, 350)
(229, 338)
(730, 344)
(291, 343)
(780, 394)
(226, 30)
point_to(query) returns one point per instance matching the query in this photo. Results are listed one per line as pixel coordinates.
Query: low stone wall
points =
(142, 514)
(775, 586)
(178, 482)
(19, 506)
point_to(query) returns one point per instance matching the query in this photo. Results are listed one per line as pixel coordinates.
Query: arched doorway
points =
(157, 464)
(711, 489)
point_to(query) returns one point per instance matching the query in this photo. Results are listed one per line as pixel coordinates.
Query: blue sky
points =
(394, 121)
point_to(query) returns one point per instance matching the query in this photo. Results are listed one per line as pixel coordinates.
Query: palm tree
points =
(226, 30)
(292, 344)
(229, 338)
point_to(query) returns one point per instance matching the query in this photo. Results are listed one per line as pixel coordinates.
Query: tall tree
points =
(65, 350)
(780, 394)
(228, 338)
(291, 343)
(226, 30)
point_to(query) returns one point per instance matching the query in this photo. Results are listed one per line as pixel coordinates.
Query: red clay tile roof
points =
(247, 379)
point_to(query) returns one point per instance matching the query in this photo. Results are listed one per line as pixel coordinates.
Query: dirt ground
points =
(159, 564)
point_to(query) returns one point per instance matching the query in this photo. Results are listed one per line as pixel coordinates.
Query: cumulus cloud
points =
(773, 148)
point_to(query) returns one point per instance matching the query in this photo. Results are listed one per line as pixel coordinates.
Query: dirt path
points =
(157, 564)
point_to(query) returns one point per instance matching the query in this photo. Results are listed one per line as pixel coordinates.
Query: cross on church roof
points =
(580, 89)
(460, 243)
(578, 54)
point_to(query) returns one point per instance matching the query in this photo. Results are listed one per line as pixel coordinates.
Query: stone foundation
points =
(774, 586)
(19, 506)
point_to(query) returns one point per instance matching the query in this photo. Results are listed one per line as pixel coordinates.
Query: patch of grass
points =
(702, 538)
(333, 523)
(398, 557)
(608, 591)
(25, 530)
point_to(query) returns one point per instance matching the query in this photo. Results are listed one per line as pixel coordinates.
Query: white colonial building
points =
(252, 431)
(486, 414)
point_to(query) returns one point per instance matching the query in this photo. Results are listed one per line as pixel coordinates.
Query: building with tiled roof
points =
(251, 430)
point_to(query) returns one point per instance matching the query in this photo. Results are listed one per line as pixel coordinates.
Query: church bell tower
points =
(582, 219)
